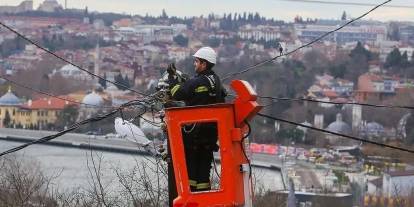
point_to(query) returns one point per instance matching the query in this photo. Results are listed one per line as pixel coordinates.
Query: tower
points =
(318, 121)
(356, 117)
(96, 64)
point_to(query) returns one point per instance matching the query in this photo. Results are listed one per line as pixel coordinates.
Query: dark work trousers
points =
(199, 145)
(199, 159)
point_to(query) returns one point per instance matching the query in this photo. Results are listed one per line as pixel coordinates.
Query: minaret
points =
(97, 50)
(356, 117)
(66, 4)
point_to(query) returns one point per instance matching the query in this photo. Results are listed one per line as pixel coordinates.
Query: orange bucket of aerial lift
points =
(231, 120)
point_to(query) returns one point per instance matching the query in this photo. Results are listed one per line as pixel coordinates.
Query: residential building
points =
(149, 33)
(70, 71)
(41, 113)
(342, 87)
(375, 87)
(384, 48)
(38, 114)
(398, 183)
(178, 53)
(361, 33)
(393, 184)
(407, 33)
(260, 32)
(327, 88)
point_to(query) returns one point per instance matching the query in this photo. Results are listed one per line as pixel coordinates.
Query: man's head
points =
(205, 59)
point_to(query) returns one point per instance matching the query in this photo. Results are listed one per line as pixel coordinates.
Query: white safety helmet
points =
(206, 53)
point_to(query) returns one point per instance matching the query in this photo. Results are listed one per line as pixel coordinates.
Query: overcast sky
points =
(278, 9)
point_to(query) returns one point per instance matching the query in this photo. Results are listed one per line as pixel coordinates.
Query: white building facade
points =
(398, 183)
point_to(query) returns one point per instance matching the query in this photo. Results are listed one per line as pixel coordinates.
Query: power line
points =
(337, 134)
(48, 94)
(71, 128)
(67, 61)
(50, 137)
(308, 44)
(347, 3)
(338, 103)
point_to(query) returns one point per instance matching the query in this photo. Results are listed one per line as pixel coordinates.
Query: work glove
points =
(171, 69)
(170, 78)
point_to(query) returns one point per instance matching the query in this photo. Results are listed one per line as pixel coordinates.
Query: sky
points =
(278, 9)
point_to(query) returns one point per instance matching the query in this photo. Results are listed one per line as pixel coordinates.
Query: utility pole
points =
(291, 201)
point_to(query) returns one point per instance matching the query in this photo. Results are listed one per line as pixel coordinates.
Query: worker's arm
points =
(183, 91)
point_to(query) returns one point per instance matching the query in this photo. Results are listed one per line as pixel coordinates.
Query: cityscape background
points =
(326, 86)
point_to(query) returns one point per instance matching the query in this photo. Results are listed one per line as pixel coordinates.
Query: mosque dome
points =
(374, 126)
(374, 129)
(9, 99)
(339, 126)
(93, 99)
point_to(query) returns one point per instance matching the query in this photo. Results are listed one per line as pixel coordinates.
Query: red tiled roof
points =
(365, 83)
(340, 100)
(375, 77)
(330, 94)
(48, 103)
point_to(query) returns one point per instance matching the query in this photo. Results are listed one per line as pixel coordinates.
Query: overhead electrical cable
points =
(337, 134)
(305, 45)
(71, 128)
(67, 61)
